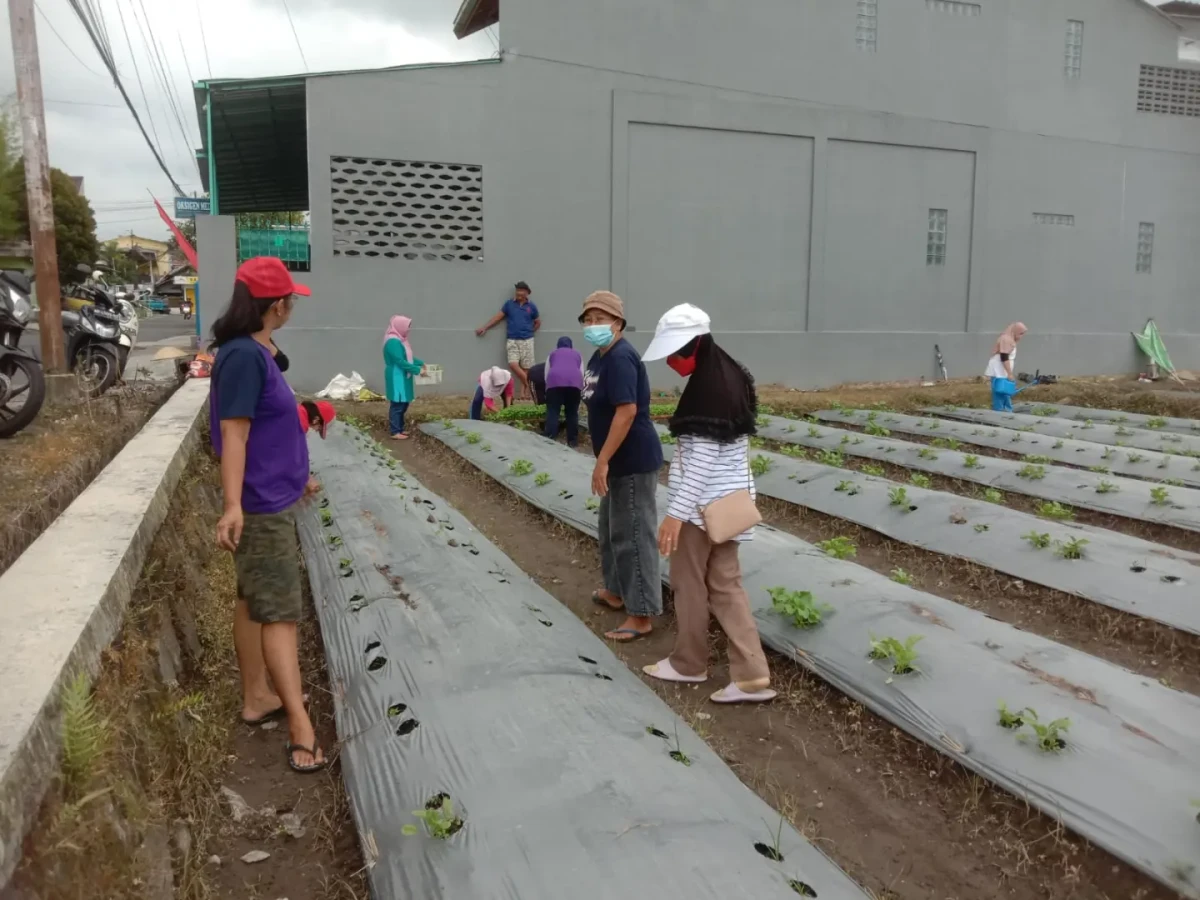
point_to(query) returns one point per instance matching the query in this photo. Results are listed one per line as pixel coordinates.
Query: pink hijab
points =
(398, 328)
(1007, 342)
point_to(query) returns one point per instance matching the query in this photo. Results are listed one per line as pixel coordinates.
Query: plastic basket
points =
(433, 375)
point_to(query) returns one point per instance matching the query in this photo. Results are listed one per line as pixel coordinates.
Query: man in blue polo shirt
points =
(523, 321)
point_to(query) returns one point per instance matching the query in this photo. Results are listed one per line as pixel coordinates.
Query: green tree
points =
(124, 268)
(74, 223)
(188, 227)
(10, 155)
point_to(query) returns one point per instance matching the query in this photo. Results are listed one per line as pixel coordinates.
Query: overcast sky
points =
(91, 132)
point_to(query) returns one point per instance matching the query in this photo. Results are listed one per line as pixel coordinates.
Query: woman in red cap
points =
(259, 438)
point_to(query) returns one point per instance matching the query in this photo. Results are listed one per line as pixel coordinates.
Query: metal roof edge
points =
(301, 78)
(1146, 4)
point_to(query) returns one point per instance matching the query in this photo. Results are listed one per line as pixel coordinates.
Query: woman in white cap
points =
(494, 384)
(711, 507)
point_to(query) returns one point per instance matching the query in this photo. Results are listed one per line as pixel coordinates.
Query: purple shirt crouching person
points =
(564, 385)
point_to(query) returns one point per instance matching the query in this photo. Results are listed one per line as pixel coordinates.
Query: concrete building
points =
(152, 253)
(840, 183)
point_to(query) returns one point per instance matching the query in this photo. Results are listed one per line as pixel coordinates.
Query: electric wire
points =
(203, 39)
(63, 41)
(141, 85)
(294, 35)
(157, 67)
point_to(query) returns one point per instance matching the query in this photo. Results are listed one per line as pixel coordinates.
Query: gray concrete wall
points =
(216, 240)
(799, 223)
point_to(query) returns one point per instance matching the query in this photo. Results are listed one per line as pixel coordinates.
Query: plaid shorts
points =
(521, 353)
(268, 567)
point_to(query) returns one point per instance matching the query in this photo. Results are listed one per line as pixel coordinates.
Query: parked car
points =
(158, 306)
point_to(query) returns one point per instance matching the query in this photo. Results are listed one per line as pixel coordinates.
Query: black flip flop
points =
(636, 635)
(266, 717)
(303, 770)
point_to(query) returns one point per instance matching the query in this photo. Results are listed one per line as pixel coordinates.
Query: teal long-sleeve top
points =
(399, 372)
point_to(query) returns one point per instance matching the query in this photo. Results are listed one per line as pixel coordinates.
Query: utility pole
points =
(37, 182)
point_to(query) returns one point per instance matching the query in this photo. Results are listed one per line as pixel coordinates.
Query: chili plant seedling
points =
(438, 818)
(845, 439)
(1044, 411)
(1156, 423)
(486, 448)
(762, 422)
(666, 438)
(919, 480)
(754, 441)
(898, 496)
(326, 518)
(1035, 458)
(1058, 445)
(1135, 457)
(971, 462)
(1174, 482)
(461, 432)
(791, 429)
(794, 450)
(847, 487)
(1106, 487)
(592, 503)
(1159, 496)
(335, 540)
(1034, 473)
(814, 431)
(991, 495)
(541, 479)
(1101, 470)
(1109, 453)
(981, 528)
(871, 469)
(839, 548)
(448, 423)
(1039, 541)
(831, 458)
(474, 437)
(1011, 718)
(902, 654)
(759, 465)
(900, 576)
(1123, 431)
(1052, 509)
(799, 606)
(677, 754)
(520, 467)
(926, 453)
(877, 430)
(1049, 736)
(1072, 549)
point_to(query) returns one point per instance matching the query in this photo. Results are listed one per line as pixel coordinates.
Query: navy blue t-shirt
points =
(614, 379)
(519, 317)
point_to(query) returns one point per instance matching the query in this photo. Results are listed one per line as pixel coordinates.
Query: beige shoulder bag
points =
(726, 518)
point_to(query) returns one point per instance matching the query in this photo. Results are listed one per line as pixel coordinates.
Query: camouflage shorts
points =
(268, 568)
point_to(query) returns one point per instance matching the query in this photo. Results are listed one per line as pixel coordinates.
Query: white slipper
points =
(731, 693)
(664, 671)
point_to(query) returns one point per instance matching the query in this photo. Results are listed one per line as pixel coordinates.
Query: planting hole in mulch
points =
(1138, 570)
(589, 660)
(373, 645)
(396, 709)
(768, 851)
(377, 663)
(801, 888)
(407, 727)
(435, 802)
(651, 730)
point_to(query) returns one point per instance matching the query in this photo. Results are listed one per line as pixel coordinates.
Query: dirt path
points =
(897, 815)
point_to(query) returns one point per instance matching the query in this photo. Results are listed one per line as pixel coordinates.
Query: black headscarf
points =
(719, 401)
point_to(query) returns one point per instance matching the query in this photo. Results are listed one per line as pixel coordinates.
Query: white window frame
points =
(1073, 52)
(935, 237)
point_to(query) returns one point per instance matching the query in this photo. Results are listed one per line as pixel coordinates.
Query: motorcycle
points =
(22, 382)
(92, 335)
(186, 309)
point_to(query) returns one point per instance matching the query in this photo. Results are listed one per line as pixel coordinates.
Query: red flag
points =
(184, 246)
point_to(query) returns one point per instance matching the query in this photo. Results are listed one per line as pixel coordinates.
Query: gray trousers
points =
(628, 531)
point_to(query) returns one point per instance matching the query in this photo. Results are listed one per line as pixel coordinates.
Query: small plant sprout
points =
(759, 465)
(345, 562)
(772, 850)
(1106, 487)
(1087, 425)
(876, 430)
(1044, 411)
(1100, 470)
(1109, 453)
(474, 437)
(899, 576)
(592, 503)
(845, 439)
(791, 429)
(871, 469)
(1123, 431)
(794, 450)
(1072, 549)
(799, 606)
(831, 458)
(847, 487)
(461, 432)
(667, 438)
(902, 654)
(1174, 482)
(486, 448)
(814, 431)
(1052, 509)
(326, 518)
(971, 462)
(1058, 445)
(438, 818)
(991, 495)
(1159, 496)
(1032, 472)
(1035, 458)
(1037, 540)
(762, 422)
(898, 496)
(1156, 422)
(677, 754)
(541, 479)
(839, 548)
(926, 453)
(1049, 736)
(520, 467)
(447, 423)
(335, 540)
(1011, 719)
(919, 480)
(981, 528)
(1135, 457)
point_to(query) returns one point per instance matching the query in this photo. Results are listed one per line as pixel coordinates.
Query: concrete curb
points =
(64, 599)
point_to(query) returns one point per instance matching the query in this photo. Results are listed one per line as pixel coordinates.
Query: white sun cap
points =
(678, 325)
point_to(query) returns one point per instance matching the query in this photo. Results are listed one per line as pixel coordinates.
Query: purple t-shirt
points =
(247, 384)
(565, 369)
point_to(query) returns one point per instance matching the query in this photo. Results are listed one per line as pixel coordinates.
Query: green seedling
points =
(772, 850)
(1039, 541)
(762, 422)
(847, 487)
(1174, 482)
(677, 754)
(1027, 429)
(899, 576)
(1035, 458)
(335, 540)
(814, 431)
(1106, 487)
(898, 496)
(831, 458)
(1058, 445)
(971, 462)
(667, 438)
(926, 453)
(592, 503)
(1109, 453)
(474, 437)
(486, 448)
(857, 440)
(934, 425)
(791, 429)
(1135, 457)
(872, 416)
(1049, 736)
(1165, 462)
(1032, 472)
(991, 495)
(876, 430)
(520, 467)
(839, 548)
(1156, 422)
(872, 469)
(754, 441)
(799, 606)
(902, 655)
(1159, 496)
(1044, 411)
(919, 480)
(345, 562)
(981, 528)
(1052, 509)
(1087, 425)
(759, 465)
(845, 439)
(1011, 719)
(1123, 431)
(461, 432)
(447, 423)
(1016, 438)
(438, 818)
(1102, 470)
(946, 443)
(326, 518)
(794, 450)
(1072, 549)
(541, 479)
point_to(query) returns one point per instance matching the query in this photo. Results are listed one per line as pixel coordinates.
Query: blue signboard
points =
(190, 207)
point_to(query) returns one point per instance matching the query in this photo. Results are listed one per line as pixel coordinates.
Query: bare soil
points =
(48, 464)
(897, 815)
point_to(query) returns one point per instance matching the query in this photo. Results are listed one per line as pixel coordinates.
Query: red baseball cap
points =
(267, 277)
(316, 415)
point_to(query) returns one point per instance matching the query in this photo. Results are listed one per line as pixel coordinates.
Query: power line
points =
(63, 41)
(138, 74)
(203, 39)
(157, 66)
(294, 35)
(84, 103)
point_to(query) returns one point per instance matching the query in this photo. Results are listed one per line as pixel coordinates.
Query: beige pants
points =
(708, 578)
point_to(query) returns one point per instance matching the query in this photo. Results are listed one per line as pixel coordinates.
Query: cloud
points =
(92, 134)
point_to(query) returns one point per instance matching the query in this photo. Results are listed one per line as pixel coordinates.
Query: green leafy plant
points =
(1037, 540)
(898, 496)
(84, 734)
(791, 429)
(991, 495)
(872, 469)
(762, 421)
(447, 423)
(1057, 445)
(1044, 411)
(1135, 457)
(1174, 482)
(754, 441)
(814, 431)
(831, 458)
(899, 576)
(1052, 509)
(474, 437)
(591, 503)
(845, 439)
(541, 479)
(1109, 453)
(934, 425)
(1120, 418)
(919, 480)
(1049, 736)
(794, 450)
(926, 453)
(847, 487)
(666, 437)
(461, 432)
(677, 754)
(876, 430)
(1106, 487)
(946, 443)
(486, 448)
(335, 540)
(971, 462)
(902, 654)
(1123, 431)
(345, 562)
(1159, 496)
(981, 528)
(799, 606)
(1102, 470)
(1035, 458)
(1016, 438)
(1072, 549)
(437, 817)
(839, 548)
(759, 465)
(1032, 472)
(1156, 422)
(520, 467)
(1009, 718)
(326, 518)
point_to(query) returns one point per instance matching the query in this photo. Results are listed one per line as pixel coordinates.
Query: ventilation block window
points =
(935, 240)
(954, 7)
(398, 209)
(865, 33)
(1054, 219)
(1145, 251)
(1073, 62)
(1169, 91)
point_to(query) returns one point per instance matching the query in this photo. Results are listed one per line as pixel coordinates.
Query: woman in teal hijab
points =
(399, 369)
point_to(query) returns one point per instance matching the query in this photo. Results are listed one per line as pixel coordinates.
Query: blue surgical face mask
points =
(598, 335)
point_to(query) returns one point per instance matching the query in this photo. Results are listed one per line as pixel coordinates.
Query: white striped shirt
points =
(704, 470)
